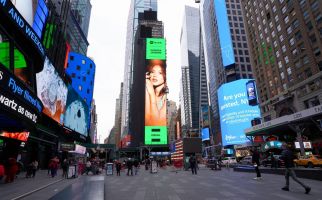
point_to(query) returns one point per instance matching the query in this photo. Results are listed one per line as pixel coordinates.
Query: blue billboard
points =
(235, 112)
(77, 114)
(225, 41)
(205, 134)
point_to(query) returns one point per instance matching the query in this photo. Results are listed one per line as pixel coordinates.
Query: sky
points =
(107, 38)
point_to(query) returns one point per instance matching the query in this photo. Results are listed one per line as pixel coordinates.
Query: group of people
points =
(129, 164)
(287, 157)
(10, 169)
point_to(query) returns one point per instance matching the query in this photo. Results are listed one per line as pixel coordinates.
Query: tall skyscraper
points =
(190, 66)
(132, 24)
(225, 46)
(285, 41)
(171, 120)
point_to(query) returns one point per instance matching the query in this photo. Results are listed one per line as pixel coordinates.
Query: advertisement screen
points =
(155, 103)
(77, 114)
(205, 134)
(226, 44)
(155, 49)
(52, 91)
(22, 136)
(205, 116)
(235, 112)
(251, 93)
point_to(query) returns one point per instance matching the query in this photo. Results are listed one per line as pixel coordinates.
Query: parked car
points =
(247, 160)
(229, 160)
(268, 161)
(309, 161)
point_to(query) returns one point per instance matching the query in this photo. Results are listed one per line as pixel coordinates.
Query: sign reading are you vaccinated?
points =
(234, 100)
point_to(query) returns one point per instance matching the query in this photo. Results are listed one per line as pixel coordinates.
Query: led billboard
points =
(235, 112)
(155, 49)
(205, 134)
(76, 116)
(52, 91)
(155, 103)
(22, 136)
(225, 41)
(205, 116)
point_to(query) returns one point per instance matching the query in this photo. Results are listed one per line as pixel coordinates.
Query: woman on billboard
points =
(155, 94)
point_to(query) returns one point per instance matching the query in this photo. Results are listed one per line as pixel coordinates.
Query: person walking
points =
(11, 170)
(136, 166)
(287, 157)
(65, 166)
(88, 166)
(193, 162)
(34, 167)
(118, 167)
(1, 170)
(255, 160)
(129, 165)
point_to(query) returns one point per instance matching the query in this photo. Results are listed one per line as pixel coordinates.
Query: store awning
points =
(282, 125)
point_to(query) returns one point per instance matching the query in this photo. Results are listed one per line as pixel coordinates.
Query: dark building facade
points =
(148, 27)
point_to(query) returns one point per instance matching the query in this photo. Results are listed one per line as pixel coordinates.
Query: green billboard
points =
(155, 49)
(156, 135)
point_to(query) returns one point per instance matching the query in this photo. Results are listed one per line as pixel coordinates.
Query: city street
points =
(169, 185)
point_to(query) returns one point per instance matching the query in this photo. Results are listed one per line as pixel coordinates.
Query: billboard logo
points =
(251, 93)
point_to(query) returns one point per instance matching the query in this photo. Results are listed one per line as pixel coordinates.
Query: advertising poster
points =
(155, 93)
(52, 91)
(76, 116)
(205, 134)
(205, 116)
(22, 136)
(235, 112)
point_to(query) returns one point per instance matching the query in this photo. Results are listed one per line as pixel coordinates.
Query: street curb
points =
(36, 190)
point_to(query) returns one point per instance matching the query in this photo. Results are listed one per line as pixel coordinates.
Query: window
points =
(71, 57)
(309, 25)
(292, 41)
(275, 44)
(289, 71)
(78, 67)
(281, 38)
(284, 9)
(295, 24)
(305, 60)
(282, 75)
(280, 64)
(80, 88)
(276, 18)
(315, 5)
(277, 54)
(5, 50)
(286, 59)
(278, 28)
(306, 15)
(274, 8)
(317, 51)
(284, 48)
(286, 19)
(312, 38)
(298, 35)
(289, 30)
(83, 62)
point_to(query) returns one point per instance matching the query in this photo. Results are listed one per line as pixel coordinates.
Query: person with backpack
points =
(287, 157)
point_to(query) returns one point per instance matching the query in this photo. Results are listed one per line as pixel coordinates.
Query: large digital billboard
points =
(235, 112)
(77, 114)
(155, 49)
(52, 91)
(155, 94)
(205, 134)
(225, 41)
(205, 116)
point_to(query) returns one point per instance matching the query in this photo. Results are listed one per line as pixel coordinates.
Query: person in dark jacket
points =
(118, 168)
(193, 164)
(129, 165)
(287, 157)
(255, 160)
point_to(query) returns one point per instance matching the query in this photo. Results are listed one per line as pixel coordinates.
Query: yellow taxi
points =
(309, 161)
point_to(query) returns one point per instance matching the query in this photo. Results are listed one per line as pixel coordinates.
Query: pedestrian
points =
(88, 166)
(53, 166)
(34, 166)
(193, 162)
(118, 168)
(129, 165)
(287, 157)
(1, 170)
(11, 170)
(273, 160)
(255, 161)
(136, 166)
(65, 166)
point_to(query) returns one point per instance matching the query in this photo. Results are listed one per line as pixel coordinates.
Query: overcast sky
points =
(107, 37)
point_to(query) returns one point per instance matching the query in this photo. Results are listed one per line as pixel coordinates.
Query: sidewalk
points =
(23, 185)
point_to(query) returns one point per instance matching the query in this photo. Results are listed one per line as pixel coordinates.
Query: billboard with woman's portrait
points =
(155, 93)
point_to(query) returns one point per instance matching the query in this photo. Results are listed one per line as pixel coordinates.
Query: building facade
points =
(191, 69)
(285, 41)
(132, 26)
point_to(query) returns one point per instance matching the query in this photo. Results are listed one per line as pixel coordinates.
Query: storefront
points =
(21, 56)
(302, 129)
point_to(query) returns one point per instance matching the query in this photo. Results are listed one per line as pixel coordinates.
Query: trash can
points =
(71, 171)
(109, 169)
